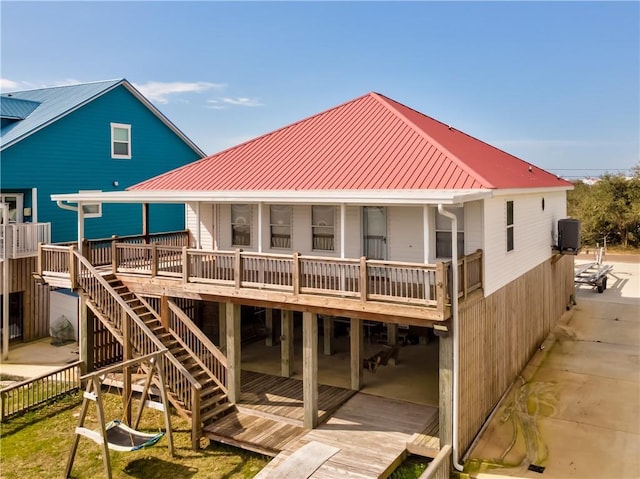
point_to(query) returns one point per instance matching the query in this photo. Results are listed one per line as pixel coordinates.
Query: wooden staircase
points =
(211, 402)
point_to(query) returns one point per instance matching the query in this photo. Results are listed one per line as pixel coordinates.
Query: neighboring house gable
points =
(65, 144)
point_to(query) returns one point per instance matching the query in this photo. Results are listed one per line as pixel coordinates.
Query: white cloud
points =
(215, 105)
(242, 101)
(6, 84)
(159, 91)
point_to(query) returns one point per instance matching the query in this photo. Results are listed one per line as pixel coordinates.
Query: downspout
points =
(5, 281)
(456, 336)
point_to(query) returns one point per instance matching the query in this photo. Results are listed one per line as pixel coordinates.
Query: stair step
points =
(218, 411)
(213, 400)
(213, 389)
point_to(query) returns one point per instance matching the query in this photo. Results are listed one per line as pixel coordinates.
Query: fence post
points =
(40, 259)
(185, 265)
(154, 260)
(237, 270)
(296, 273)
(363, 278)
(114, 257)
(441, 285)
(72, 269)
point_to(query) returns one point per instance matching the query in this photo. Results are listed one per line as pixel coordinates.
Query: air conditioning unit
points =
(569, 236)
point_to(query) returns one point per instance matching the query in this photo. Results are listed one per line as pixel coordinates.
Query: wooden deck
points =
(371, 434)
(270, 413)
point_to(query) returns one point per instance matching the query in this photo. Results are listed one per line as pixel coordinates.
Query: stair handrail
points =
(204, 340)
(143, 327)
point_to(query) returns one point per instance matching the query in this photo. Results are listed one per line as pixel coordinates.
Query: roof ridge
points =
(385, 101)
(66, 86)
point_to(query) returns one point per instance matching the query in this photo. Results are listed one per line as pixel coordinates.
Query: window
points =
(323, 227)
(443, 233)
(91, 210)
(509, 225)
(241, 225)
(120, 141)
(280, 226)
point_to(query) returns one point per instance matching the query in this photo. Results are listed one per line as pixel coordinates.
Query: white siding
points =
(534, 230)
(473, 227)
(405, 234)
(206, 224)
(353, 232)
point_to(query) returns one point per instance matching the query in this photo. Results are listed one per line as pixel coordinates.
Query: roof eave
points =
(355, 197)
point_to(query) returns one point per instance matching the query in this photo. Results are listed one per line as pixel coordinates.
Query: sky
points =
(554, 83)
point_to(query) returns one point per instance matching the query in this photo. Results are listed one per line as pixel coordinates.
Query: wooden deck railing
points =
(20, 397)
(99, 251)
(359, 278)
(23, 238)
(440, 467)
(367, 280)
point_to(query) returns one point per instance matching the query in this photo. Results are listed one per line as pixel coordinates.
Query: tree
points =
(608, 209)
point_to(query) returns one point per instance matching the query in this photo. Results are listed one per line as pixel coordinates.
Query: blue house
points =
(100, 136)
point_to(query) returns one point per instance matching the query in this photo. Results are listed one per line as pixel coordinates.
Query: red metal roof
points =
(370, 143)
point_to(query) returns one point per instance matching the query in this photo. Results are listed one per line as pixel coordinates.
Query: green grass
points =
(37, 444)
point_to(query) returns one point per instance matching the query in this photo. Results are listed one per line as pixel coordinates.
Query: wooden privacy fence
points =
(20, 397)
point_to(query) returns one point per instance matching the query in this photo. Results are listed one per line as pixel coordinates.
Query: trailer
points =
(594, 274)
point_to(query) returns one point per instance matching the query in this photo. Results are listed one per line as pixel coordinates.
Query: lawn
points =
(37, 444)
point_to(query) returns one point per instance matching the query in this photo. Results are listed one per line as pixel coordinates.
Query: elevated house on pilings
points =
(370, 222)
(97, 136)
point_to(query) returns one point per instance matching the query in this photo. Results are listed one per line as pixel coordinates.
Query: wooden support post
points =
(233, 352)
(310, 369)
(127, 354)
(357, 346)
(73, 274)
(446, 389)
(286, 343)
(392, 334)
(268, 324)
(441, 284)
(222, 326)
(327, 335)
(86, 336)
(164, 311)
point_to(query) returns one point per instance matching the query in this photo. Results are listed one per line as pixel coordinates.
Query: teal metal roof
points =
(15, 109)
(56, 102)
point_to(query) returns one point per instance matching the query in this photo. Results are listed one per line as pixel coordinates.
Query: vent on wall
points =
(569, 236)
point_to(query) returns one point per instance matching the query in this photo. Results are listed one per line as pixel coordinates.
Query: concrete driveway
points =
(575, 412)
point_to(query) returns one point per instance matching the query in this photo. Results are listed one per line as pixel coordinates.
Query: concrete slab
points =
(32, 359)
(576, 409)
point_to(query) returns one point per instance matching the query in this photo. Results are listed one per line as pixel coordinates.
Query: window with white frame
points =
(280, 220)
(91, 210)
(241, 225)
(443, 233)
(510, 245)
(120, 141)
(323, 227)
